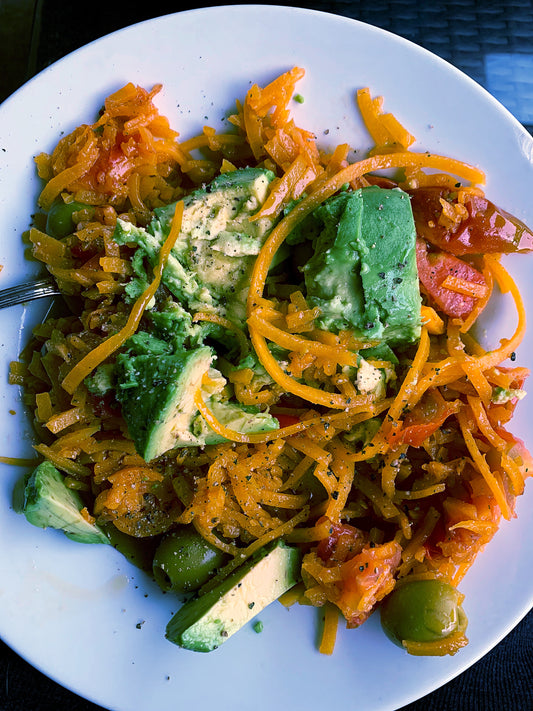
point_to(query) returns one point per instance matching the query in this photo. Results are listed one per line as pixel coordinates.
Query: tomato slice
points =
(518, 451)
(434, 267)
(487, 229)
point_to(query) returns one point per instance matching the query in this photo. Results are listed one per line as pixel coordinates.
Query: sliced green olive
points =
(59, 222)
(184, 561)
(422, 611)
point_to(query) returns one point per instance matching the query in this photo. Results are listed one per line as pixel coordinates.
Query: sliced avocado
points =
(143, 342)
(49, 503)
(363, 274)
(332, 274)
(234, 416)
(211, 262)
(205, 622)
(157, 397)
(381, 352)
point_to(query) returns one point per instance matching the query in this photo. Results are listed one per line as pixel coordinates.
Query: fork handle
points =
(27, 292)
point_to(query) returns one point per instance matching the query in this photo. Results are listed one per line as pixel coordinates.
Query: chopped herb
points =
(258, 627)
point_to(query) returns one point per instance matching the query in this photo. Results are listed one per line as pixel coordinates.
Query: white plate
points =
(81, 614)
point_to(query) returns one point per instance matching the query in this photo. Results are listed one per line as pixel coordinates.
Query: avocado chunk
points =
(101, 381)
(203, 623)
(49, 503)
(174, 325)
(363, 273)
(157, 391)
(210, 264)
(156, 394)
(234, 416)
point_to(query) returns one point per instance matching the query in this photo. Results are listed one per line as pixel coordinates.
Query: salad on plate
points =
(265, 378)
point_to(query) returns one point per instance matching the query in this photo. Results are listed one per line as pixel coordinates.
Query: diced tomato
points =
(519, 375)
(500, 413)
(434, 267)
(366, 579)
(425, 419)
(381, 181)
(114, 164)
(287, 420)
(344, 542)
(119, 165)
(84, 250)
(518, 451)
(487, 229)
(93, 264)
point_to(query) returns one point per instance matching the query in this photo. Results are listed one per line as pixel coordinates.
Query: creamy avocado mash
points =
(211, 262)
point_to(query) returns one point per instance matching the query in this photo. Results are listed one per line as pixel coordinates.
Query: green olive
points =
(184, 561)
(422, 611)
(59, 222)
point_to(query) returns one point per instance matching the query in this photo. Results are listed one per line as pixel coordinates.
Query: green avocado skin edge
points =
(204, 623)
(49, 503)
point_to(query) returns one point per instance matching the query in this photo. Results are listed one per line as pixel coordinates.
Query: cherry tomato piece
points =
(434, 267)
(423, 420)
(487, 229)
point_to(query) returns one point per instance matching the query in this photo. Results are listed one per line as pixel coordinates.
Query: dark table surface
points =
(492, 42)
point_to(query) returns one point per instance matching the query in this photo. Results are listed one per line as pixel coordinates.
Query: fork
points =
(21, 293)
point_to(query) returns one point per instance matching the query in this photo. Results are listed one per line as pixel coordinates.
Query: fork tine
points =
(37, 289)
